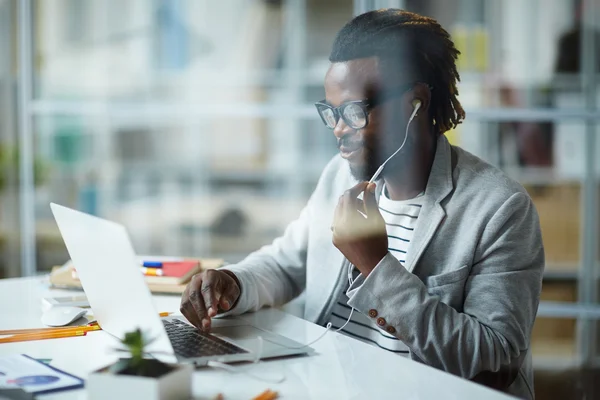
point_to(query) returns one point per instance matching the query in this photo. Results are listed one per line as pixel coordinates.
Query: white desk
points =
(343, 368)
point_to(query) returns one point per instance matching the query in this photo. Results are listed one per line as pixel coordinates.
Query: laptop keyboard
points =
(189, 342)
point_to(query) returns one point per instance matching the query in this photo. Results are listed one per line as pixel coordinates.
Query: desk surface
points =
(343, 368)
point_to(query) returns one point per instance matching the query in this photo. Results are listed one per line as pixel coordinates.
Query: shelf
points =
(555, 309)
(142, 111)
(561, 271)
(203, 79)
(266, 175)
(538, 176)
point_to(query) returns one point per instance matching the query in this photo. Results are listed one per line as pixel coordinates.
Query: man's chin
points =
(361, 171)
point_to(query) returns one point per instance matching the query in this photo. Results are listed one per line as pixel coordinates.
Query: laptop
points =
(109, 272)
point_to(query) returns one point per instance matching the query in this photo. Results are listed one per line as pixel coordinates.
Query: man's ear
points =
(422, 93)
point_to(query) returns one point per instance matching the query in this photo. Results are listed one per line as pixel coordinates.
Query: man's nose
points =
(341, 129)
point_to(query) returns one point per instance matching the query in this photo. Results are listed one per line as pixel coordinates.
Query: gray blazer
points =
(466, 298)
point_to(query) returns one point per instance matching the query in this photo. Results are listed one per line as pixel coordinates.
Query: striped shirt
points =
(400, 220)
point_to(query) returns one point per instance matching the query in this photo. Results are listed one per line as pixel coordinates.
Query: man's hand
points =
(362, 239)
(207, 294)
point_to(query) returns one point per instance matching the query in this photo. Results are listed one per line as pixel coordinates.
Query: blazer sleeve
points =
(492, 331)
(276, 273)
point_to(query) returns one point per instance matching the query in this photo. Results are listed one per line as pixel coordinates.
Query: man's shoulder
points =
(475, 178)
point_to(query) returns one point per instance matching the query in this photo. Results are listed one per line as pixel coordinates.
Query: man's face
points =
(367, 148)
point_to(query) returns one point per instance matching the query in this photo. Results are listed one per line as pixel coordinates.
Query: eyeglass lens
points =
(355, 116)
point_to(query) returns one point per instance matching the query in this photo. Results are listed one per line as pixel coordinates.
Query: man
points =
(442, 260)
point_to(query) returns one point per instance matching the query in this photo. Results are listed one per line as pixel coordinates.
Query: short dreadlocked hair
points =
(407, 44)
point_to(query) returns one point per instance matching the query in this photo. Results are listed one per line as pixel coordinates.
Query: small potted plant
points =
(139, 377)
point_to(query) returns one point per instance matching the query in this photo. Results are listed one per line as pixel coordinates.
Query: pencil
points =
(266, 395)
(48, 330)
(92, 326)
(41, 336)
(86, 328)
(152, 271)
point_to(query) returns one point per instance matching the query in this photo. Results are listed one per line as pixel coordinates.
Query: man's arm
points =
(276, 273)
(501, 299)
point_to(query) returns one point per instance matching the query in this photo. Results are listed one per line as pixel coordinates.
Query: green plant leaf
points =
(134, 343)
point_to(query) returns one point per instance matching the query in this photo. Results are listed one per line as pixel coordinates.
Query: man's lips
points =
(351, 152)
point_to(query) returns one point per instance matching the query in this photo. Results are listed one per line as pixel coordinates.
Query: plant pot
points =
(175, 384)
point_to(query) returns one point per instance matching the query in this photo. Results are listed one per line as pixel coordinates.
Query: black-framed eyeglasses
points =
(356, 113)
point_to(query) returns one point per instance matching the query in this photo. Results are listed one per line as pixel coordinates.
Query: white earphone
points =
(416, 105)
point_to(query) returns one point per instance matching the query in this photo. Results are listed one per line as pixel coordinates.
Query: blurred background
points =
(191, 122)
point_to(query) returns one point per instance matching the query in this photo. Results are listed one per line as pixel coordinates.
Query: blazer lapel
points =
(432, 213)
(430, 217)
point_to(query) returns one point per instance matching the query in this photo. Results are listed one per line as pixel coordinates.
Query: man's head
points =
(387, 59)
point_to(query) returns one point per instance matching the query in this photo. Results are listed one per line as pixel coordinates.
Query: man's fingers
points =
(197, 302)
(186, 294)
(369, 200)
(355, 226)
(229, 297)
(224, 304)
(338, 214)
(350, 197)
(206, 294)
(211, 293)
(347, 203)
(187, 309)
(211, 298)
(190, 314)
(357, 189)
